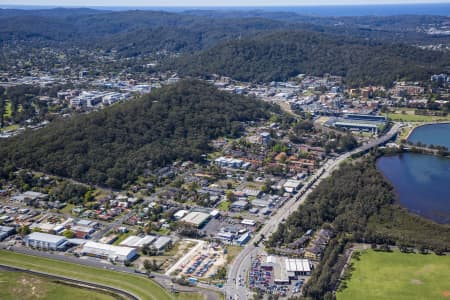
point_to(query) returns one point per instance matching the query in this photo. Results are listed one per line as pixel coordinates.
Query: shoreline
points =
(422, 125)
(397, 197)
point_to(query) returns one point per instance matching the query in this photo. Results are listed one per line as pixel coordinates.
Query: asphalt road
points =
(239, 267)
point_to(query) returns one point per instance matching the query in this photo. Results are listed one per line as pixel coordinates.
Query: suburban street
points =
(238, 268)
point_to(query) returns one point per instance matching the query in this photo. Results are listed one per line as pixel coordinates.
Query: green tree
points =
(147, 265)
(230, 196)
(24, 230)
(69, 234)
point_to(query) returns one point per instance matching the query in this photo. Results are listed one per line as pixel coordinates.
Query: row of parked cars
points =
(196, 264)
(205, 268)
(204, 263)
(298, 286)
(262, 279)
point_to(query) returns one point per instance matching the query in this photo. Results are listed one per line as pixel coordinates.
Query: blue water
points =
(442, 9)
(433, 134)
(422, 183)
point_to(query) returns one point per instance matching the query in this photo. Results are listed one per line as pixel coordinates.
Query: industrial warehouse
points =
(271, 273)
(106, 251)
(6, 231)
(134, 241)
(45, 241)
(286, 269)
(196, 218)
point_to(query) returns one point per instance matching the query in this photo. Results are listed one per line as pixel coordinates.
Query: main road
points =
(237, 271)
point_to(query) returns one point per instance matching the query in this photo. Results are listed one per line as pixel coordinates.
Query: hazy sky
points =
(129, 3)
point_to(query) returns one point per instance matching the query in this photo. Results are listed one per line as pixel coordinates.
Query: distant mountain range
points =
(199, 28)
(249, 45)
(440, 9)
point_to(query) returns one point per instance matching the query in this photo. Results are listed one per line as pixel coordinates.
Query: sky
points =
(185, 3)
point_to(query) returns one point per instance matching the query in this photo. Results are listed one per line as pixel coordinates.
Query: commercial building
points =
(265, 137)
(162, 243)
(29, 196)
(45, 241)
(252, 192)
(404, 90)
(292, 185)
(239, 205)
(287, 269)
(196, 218)
(266, 211)
(440, 78)
(234, 163)
(260, 203)
(295, 267)
(214, 213)
(357, 126)
(138, 242)
(82, 232)
(180, 214)
(254, 210)
(359, 122)
(363, 117)
(44, 227)
(243, 239)
(225, 236)
(106, 251)
(6, 231)
(248, 222)
(88, 223)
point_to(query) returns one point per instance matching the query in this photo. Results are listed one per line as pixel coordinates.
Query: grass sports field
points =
(141, 287)
(17, 285)
(396, 275)
(416, 118)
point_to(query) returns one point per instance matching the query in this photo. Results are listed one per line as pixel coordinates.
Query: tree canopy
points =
(277, 56)
(113, 146)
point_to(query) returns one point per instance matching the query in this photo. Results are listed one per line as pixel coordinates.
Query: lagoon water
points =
(422, 183)
(433, 134)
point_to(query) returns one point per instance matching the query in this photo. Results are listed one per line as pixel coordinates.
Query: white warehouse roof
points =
(291, 183)
(135, 241)
(108, 250)
(297, 265)
(180, 214)
(45, 237)
(162, 242)
(196, 218)
(248, 222)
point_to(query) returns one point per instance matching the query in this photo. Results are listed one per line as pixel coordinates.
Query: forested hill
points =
(128, 32)
(280, 55)
(113, 146)
(137, 32)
